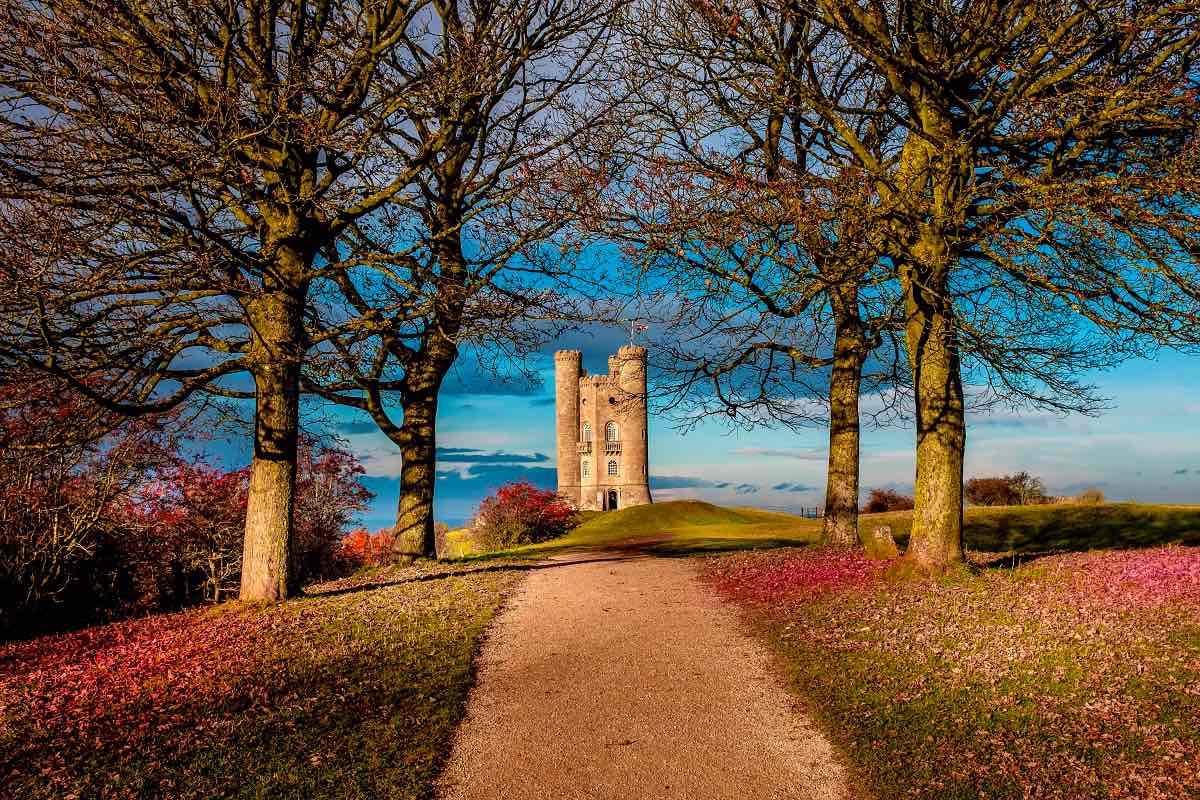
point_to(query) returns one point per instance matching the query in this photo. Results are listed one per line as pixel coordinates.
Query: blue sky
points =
(1146, 448)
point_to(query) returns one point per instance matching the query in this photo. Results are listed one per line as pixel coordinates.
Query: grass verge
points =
(1072, 676)
(351, 692)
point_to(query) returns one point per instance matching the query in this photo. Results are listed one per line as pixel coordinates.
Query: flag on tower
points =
(635, 328)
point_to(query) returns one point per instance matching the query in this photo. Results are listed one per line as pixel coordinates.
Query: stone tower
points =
(603, 459)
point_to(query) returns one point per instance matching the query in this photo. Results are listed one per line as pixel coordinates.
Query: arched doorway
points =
(612, 500)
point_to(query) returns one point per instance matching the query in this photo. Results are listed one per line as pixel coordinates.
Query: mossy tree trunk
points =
(935, 540)
(414, 536)
(840, 525)
(424, 372)
(277, 351)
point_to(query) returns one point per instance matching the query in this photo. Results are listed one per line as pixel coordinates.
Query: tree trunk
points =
(418, 475)
(934, 169)
(935, 540)
(277, 350)
(423, 376)
(840, 527)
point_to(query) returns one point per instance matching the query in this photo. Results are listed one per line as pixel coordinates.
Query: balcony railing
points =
(610, 448)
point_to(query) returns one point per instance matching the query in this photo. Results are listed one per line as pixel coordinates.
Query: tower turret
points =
(631, 378)
(567, 371)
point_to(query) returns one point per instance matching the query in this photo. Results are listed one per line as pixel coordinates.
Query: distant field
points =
(1033, 529)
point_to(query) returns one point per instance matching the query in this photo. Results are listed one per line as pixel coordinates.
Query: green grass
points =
(353, 692)
(1068, 527)
(1072, 676)
(681, 527)
(692, 527)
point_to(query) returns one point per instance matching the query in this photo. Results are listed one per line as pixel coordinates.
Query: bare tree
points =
(1027, 176)
(507, 90)
(175, 179)
(757, 235)
(1041, 174)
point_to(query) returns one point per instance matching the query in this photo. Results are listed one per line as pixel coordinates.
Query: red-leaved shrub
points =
(361, 548)
(520, 513)
(103, 516)
(329, 492)
(990, 492)
(183, 542)
(189, 520)
(66, 471)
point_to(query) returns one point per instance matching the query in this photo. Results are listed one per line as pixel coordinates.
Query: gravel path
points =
(620, 676)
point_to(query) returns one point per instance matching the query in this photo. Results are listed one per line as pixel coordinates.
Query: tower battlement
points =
(602, 435)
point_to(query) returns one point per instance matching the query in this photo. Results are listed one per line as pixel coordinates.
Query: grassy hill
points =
(686, 526)
(690, 526)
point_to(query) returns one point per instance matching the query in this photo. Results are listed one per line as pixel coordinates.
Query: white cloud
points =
(773, 452)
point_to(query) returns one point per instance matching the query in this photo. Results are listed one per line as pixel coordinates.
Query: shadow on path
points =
(560, 559)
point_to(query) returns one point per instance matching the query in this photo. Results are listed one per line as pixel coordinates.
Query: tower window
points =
(587, 432)
(612, 468)
(610, 432)
(587, 468)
